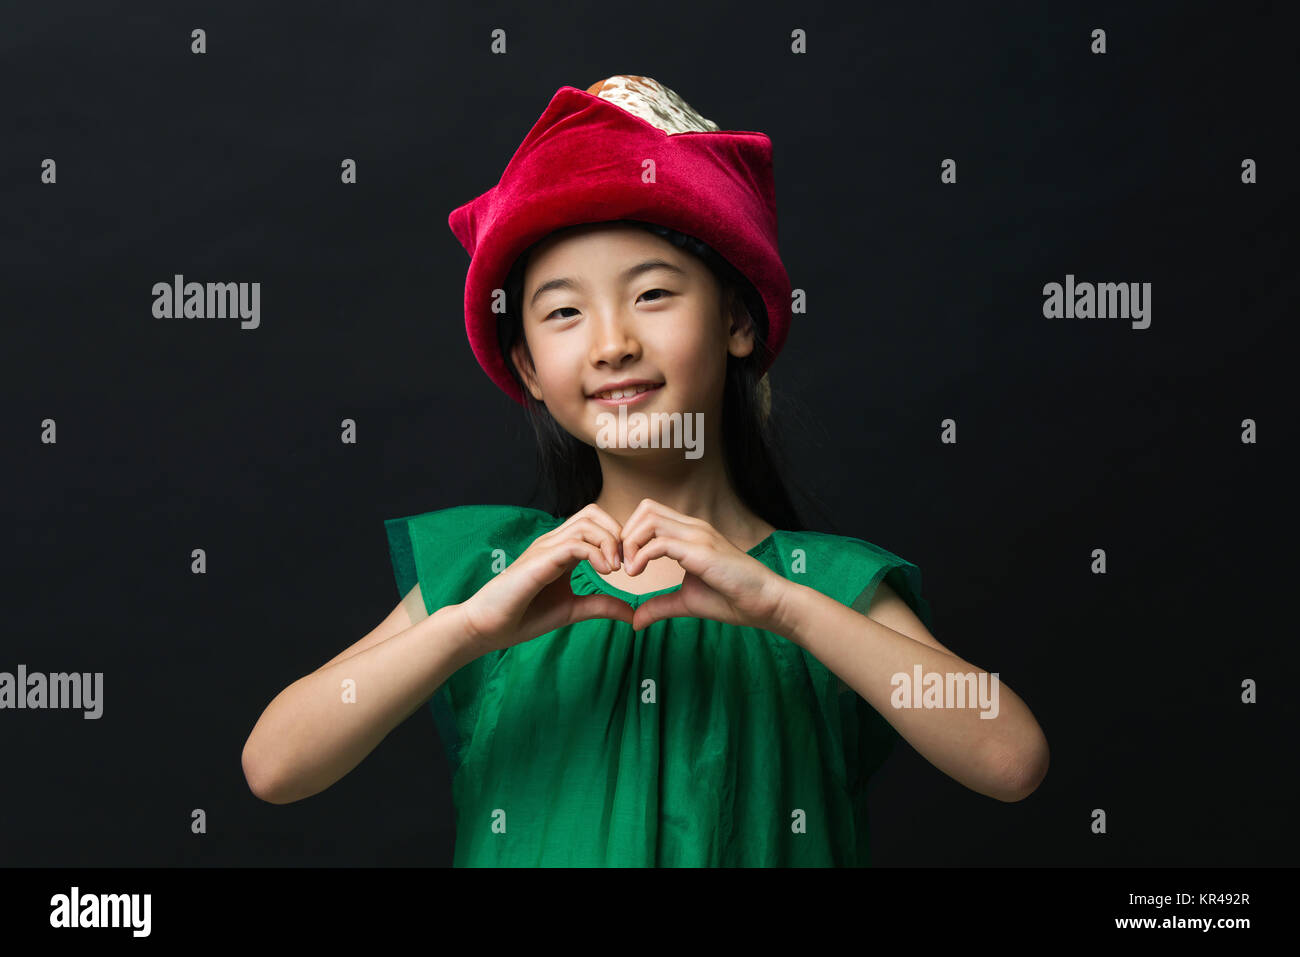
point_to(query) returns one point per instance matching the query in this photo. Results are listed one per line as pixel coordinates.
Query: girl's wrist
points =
(783, 614)
(470, 643)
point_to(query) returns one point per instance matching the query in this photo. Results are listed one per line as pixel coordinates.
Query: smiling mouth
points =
(625, 395)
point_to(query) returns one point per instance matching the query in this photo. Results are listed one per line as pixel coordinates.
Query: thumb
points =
(588, 607)
(671, 605)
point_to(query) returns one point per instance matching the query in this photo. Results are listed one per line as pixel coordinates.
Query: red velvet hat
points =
(584, 161)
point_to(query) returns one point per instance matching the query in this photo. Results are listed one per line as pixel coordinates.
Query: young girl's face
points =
(608, 303)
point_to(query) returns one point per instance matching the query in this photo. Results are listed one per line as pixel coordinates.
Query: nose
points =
(612, 340)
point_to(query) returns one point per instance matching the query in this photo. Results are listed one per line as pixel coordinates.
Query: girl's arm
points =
(319, 728)
(409, 611)
(1004, 757)
(323, 725)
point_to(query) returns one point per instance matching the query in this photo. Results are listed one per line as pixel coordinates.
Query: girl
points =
(667, 669)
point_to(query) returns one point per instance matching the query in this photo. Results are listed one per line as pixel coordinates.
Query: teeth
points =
(625, 393)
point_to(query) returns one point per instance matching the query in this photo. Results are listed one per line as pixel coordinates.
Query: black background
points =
(925, 302)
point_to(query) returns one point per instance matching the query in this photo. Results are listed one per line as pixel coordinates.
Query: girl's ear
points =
(524, 366)
(741, 342)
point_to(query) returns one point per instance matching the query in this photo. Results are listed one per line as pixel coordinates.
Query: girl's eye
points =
(647, 293)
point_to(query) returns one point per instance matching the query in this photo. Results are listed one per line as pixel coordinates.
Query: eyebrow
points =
(626, 276)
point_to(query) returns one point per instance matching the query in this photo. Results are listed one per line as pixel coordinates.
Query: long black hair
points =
(571, 467)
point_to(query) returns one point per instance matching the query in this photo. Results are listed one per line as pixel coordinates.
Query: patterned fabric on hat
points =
(655, 103)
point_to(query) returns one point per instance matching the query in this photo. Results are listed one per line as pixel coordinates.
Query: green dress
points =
(690, 743)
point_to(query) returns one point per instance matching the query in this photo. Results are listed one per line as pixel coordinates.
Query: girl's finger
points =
(596, 533)
(661, 545)
(601, 606)
(565, 556)
(596, 521)
(596, 514)
(637, 533)
(599, 514)
(585, 530)
(650, 507)
(671, 605)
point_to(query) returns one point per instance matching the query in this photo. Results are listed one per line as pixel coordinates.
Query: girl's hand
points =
(722, 582)
(532, 596)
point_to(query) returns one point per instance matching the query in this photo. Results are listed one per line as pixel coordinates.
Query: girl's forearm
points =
(324, 724)
(1004, 757)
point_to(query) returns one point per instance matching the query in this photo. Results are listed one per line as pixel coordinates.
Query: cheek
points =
(697, 349)
(685, 337)
(558, 366)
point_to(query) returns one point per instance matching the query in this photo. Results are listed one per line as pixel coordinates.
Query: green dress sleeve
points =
(451, 553)
(869, 737)
(850, 570)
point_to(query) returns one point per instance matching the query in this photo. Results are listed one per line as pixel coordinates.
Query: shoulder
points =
(841, 564)
(833, 544)
(871, 579)
(889, 609)
(461, 521)
(450, 553)
(455, 513)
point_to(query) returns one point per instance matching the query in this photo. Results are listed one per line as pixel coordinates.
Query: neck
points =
(699, 488)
